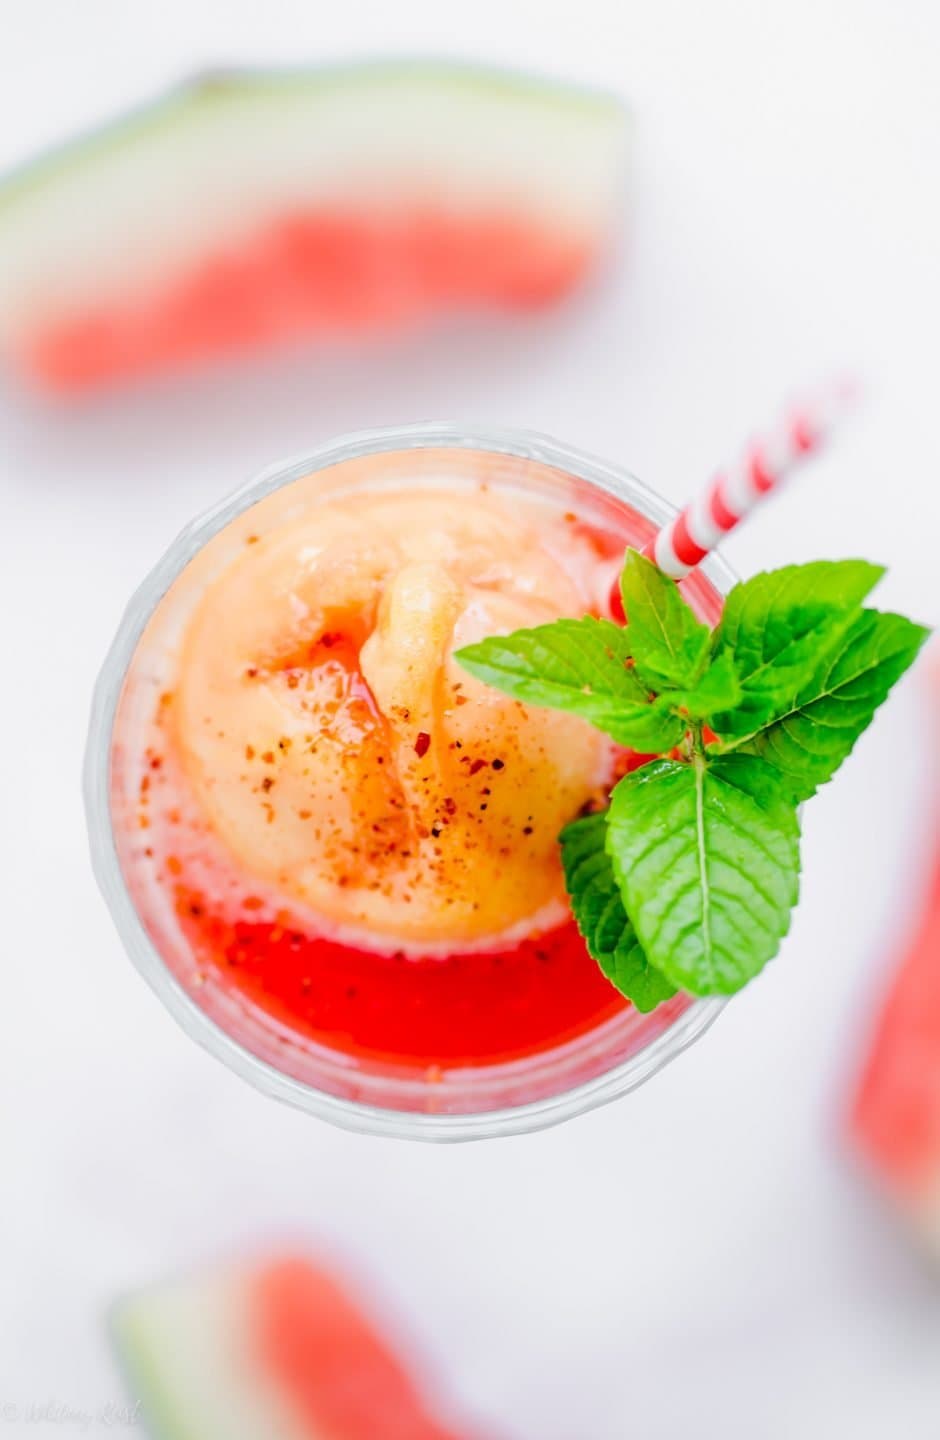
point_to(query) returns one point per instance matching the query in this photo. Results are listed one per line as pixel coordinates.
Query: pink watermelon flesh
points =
(314, 274)
(337, 1368)
(896, 1116)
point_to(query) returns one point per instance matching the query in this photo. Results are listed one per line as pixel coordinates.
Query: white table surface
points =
(701, 1258)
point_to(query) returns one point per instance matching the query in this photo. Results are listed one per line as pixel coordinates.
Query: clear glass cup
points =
(468, 1103)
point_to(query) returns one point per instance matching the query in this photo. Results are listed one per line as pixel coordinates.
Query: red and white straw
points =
(734, 491)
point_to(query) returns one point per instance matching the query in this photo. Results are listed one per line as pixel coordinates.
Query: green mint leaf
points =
(651, 729)
(809, 743)
(719, 689)
(598, 911)
(669, 645)
(778, 625)
(707, 859)
(579, 666)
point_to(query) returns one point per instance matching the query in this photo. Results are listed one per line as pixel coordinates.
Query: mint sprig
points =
(688, 879)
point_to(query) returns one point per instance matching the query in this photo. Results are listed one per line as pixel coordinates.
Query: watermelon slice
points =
(252, 208)
(896, 1116)
(273, 1351)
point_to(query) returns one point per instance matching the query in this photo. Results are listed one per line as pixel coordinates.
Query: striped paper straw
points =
(685, 541)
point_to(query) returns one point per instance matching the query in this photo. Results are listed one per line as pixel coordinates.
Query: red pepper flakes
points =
(174, 865)
(252, 902)
(498, 764)
(268, 757)
(249, 752)
(422, 744)
(266, 783)
(477, 766)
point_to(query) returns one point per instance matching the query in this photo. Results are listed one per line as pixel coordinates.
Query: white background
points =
(702, 1258)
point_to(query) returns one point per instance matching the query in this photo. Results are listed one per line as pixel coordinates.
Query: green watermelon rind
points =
(181, 105)
(141, 1371)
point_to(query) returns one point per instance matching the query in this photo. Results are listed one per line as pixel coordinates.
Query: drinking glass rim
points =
(350, 1114)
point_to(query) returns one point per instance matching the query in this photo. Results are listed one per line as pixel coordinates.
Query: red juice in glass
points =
(334, 851)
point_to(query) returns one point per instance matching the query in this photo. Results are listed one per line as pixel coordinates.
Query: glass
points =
(361, 1094)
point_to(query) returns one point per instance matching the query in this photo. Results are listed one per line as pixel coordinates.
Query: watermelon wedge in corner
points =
(896, 1116)
(273, 1351)
(251, 208)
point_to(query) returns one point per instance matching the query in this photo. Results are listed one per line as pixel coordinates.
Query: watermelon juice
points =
(330, 848)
